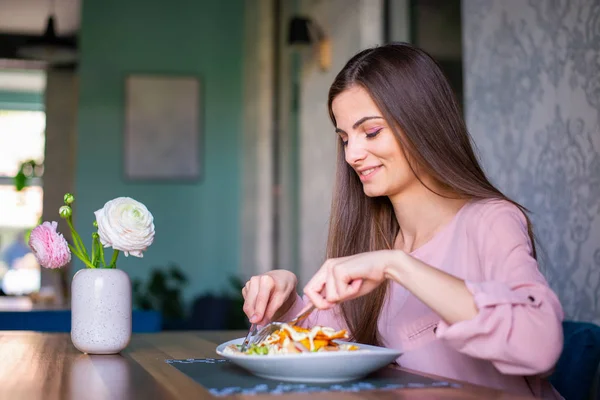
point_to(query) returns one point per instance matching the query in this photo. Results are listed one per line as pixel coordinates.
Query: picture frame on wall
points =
(162, 133)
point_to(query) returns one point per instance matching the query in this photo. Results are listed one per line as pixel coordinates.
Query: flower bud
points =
(69, 198)
(95, 235)
(95, 224)
(65, 211)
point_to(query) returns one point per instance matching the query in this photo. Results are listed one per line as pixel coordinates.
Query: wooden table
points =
(47, 366)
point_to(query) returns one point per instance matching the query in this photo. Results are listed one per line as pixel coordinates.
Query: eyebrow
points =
(359, 123)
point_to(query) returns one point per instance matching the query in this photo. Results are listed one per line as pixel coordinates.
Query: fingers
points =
(315, 289)
(348, 289)
(257, 293)
(266, 287)
(346, 286)
(331, 292)
(249, 292)
(334, 283)
(354, 287)
(276, 301)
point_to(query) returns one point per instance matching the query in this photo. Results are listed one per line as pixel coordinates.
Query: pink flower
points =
(49, 247)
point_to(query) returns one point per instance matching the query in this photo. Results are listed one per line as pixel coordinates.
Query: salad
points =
(294, 339)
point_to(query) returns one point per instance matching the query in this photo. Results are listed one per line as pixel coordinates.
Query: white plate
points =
(323, 367)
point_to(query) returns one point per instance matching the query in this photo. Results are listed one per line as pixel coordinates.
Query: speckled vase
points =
(100, 310)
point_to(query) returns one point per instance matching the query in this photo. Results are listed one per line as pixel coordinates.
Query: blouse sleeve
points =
(518, 326)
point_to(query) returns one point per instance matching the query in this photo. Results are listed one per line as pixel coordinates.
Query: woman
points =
(424, 254)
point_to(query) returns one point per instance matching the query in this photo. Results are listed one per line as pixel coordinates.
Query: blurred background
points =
(213, 114)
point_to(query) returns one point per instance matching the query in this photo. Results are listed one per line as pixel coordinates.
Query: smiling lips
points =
(366, 174)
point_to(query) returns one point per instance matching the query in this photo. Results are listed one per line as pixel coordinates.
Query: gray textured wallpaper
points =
(532, 98)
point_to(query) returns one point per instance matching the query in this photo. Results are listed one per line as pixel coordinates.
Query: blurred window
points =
(22, 139)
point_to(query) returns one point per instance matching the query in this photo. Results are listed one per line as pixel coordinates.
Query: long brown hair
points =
(415, 98)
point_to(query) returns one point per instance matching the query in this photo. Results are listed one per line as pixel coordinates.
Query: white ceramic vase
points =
(100, 310)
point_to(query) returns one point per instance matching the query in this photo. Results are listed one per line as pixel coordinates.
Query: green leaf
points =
(20, 181)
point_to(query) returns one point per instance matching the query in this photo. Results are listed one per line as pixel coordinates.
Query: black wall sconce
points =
(305, 32)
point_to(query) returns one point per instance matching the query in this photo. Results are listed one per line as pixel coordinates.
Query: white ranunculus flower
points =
(126, 225)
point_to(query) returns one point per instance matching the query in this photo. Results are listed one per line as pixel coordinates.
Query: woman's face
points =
(371, 148)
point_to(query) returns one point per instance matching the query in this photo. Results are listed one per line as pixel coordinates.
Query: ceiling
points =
(29, 17)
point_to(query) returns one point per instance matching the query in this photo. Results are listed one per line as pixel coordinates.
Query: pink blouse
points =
(516, 338)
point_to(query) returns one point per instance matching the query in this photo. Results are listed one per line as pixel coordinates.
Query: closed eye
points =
(371, 135)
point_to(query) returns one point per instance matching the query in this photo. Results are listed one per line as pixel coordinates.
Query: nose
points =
(355, 151)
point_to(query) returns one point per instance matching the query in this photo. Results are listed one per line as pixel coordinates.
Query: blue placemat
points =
(223, 378)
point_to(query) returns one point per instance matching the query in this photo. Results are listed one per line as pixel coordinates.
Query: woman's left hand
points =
(345, 278)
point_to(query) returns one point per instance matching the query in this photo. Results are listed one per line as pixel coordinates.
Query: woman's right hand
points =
(270, 294)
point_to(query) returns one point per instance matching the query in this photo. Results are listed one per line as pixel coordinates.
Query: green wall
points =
(197, 224)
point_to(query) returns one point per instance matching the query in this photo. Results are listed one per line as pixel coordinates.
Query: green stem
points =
(85, 261)
(97, 252)
(113, 261)
(74, 235)
(77, 239)
(94, 252)
(101, 252)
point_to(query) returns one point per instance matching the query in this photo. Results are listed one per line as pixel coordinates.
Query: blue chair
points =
(577, 372)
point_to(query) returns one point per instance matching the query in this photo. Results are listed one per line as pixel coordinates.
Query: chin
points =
(383, 190)
(374, 192)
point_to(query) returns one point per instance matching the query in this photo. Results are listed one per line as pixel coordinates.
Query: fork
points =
(251, 332)
(274, 326)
